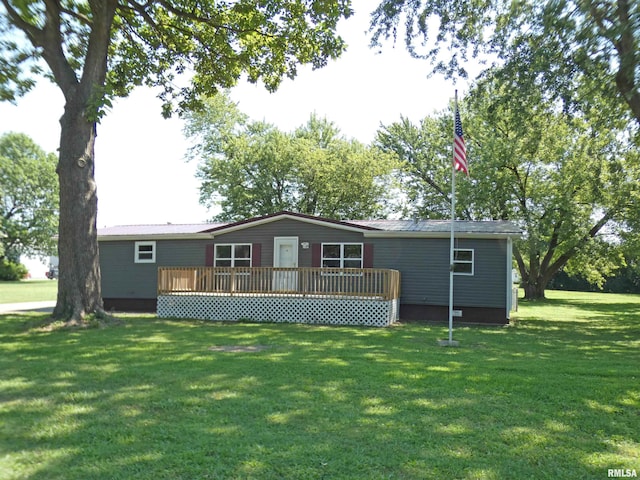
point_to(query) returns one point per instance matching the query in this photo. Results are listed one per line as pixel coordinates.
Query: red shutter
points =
(316, 254)
(208, 255)
(367, 256)
(256, 255)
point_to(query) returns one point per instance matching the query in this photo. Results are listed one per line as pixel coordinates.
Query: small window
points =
(233, 255)
(342, 255)
(145, 252)
(463, 261)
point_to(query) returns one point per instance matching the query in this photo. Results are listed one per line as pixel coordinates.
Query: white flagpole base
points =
(448, 343)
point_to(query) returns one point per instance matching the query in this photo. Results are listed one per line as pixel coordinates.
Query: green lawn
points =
(28, 291)
(556, 395)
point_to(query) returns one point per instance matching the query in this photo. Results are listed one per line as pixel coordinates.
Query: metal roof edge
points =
(159, 236)
(337, 224)
(471, 235)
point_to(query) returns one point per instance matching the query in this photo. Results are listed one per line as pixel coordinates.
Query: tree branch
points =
(142, 10)
(625, 45)
(32, 32)
(566, 256)
(553, 244)
(51, 43)
(95, 62)
(521, 266)
(78, 16)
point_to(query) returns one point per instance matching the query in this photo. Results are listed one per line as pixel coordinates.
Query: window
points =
(462, 261)
(342, 255)
(145, 252)
(233, 255)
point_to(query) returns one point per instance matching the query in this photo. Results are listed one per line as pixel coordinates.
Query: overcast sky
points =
(141, 172)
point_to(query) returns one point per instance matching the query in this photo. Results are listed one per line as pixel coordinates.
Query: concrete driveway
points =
(45, 307)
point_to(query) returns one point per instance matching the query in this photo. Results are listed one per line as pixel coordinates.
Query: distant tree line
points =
(625, 280)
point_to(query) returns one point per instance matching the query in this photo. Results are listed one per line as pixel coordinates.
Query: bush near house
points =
(10, 271)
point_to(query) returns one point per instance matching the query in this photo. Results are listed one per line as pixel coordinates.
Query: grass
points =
(555, 395)
(28, 291)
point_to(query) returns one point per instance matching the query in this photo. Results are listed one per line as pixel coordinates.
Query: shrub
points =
(12, 271)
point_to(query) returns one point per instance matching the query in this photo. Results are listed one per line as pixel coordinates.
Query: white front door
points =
(285, 255)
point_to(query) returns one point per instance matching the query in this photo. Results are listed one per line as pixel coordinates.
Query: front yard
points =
(28, 291)
(555, 395)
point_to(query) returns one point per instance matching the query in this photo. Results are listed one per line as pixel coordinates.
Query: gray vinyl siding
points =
(123, 278)
(423, 263)
(424, 267)
(306, 232)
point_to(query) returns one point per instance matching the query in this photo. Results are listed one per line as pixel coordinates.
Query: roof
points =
(493, 227)
(144, 232)
(339, 224)
(369, 228)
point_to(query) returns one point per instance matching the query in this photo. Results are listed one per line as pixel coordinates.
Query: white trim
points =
(276, 250)
(447, 235)
(136, 252)
(285, 280)
(365, 233)
(509, 280)
(464, 262)
(233, 258)
(342, 257)
(262, 221)
(153, 237)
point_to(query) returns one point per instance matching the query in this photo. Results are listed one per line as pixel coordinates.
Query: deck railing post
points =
(328, 282)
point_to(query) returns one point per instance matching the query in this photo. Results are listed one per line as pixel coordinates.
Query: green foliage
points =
(154, 43)
(28, 197)
(252, 168)
(597, 261)
(625, 280)
(10, 271)
(567, 179)
(424, 151)
(583, 53)
(553, 396)
(99, 50)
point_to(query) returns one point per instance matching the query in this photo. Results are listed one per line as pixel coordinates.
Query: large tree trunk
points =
(534, 289)
(79, 291)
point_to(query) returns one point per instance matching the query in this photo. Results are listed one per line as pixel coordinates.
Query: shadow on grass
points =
(149, 399)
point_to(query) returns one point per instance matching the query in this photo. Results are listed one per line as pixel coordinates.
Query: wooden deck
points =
(355, 283)
(368, 297)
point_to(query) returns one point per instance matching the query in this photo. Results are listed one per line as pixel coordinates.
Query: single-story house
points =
(294, 267)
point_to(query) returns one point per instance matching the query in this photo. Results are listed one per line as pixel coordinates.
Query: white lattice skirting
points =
(315, 310)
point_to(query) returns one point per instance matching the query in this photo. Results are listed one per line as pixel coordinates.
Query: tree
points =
(28, 198)
(565, 180)
(570, 180)
(101, 49)
(580, 51)
(341, 178)
(425, 173)
(252, 168)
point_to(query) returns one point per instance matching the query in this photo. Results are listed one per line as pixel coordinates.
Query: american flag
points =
(459, 148)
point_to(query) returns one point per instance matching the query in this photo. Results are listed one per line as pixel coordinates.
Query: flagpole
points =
(453, 221)
(458, 162)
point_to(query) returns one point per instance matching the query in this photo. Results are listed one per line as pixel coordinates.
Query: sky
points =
(141, 171)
